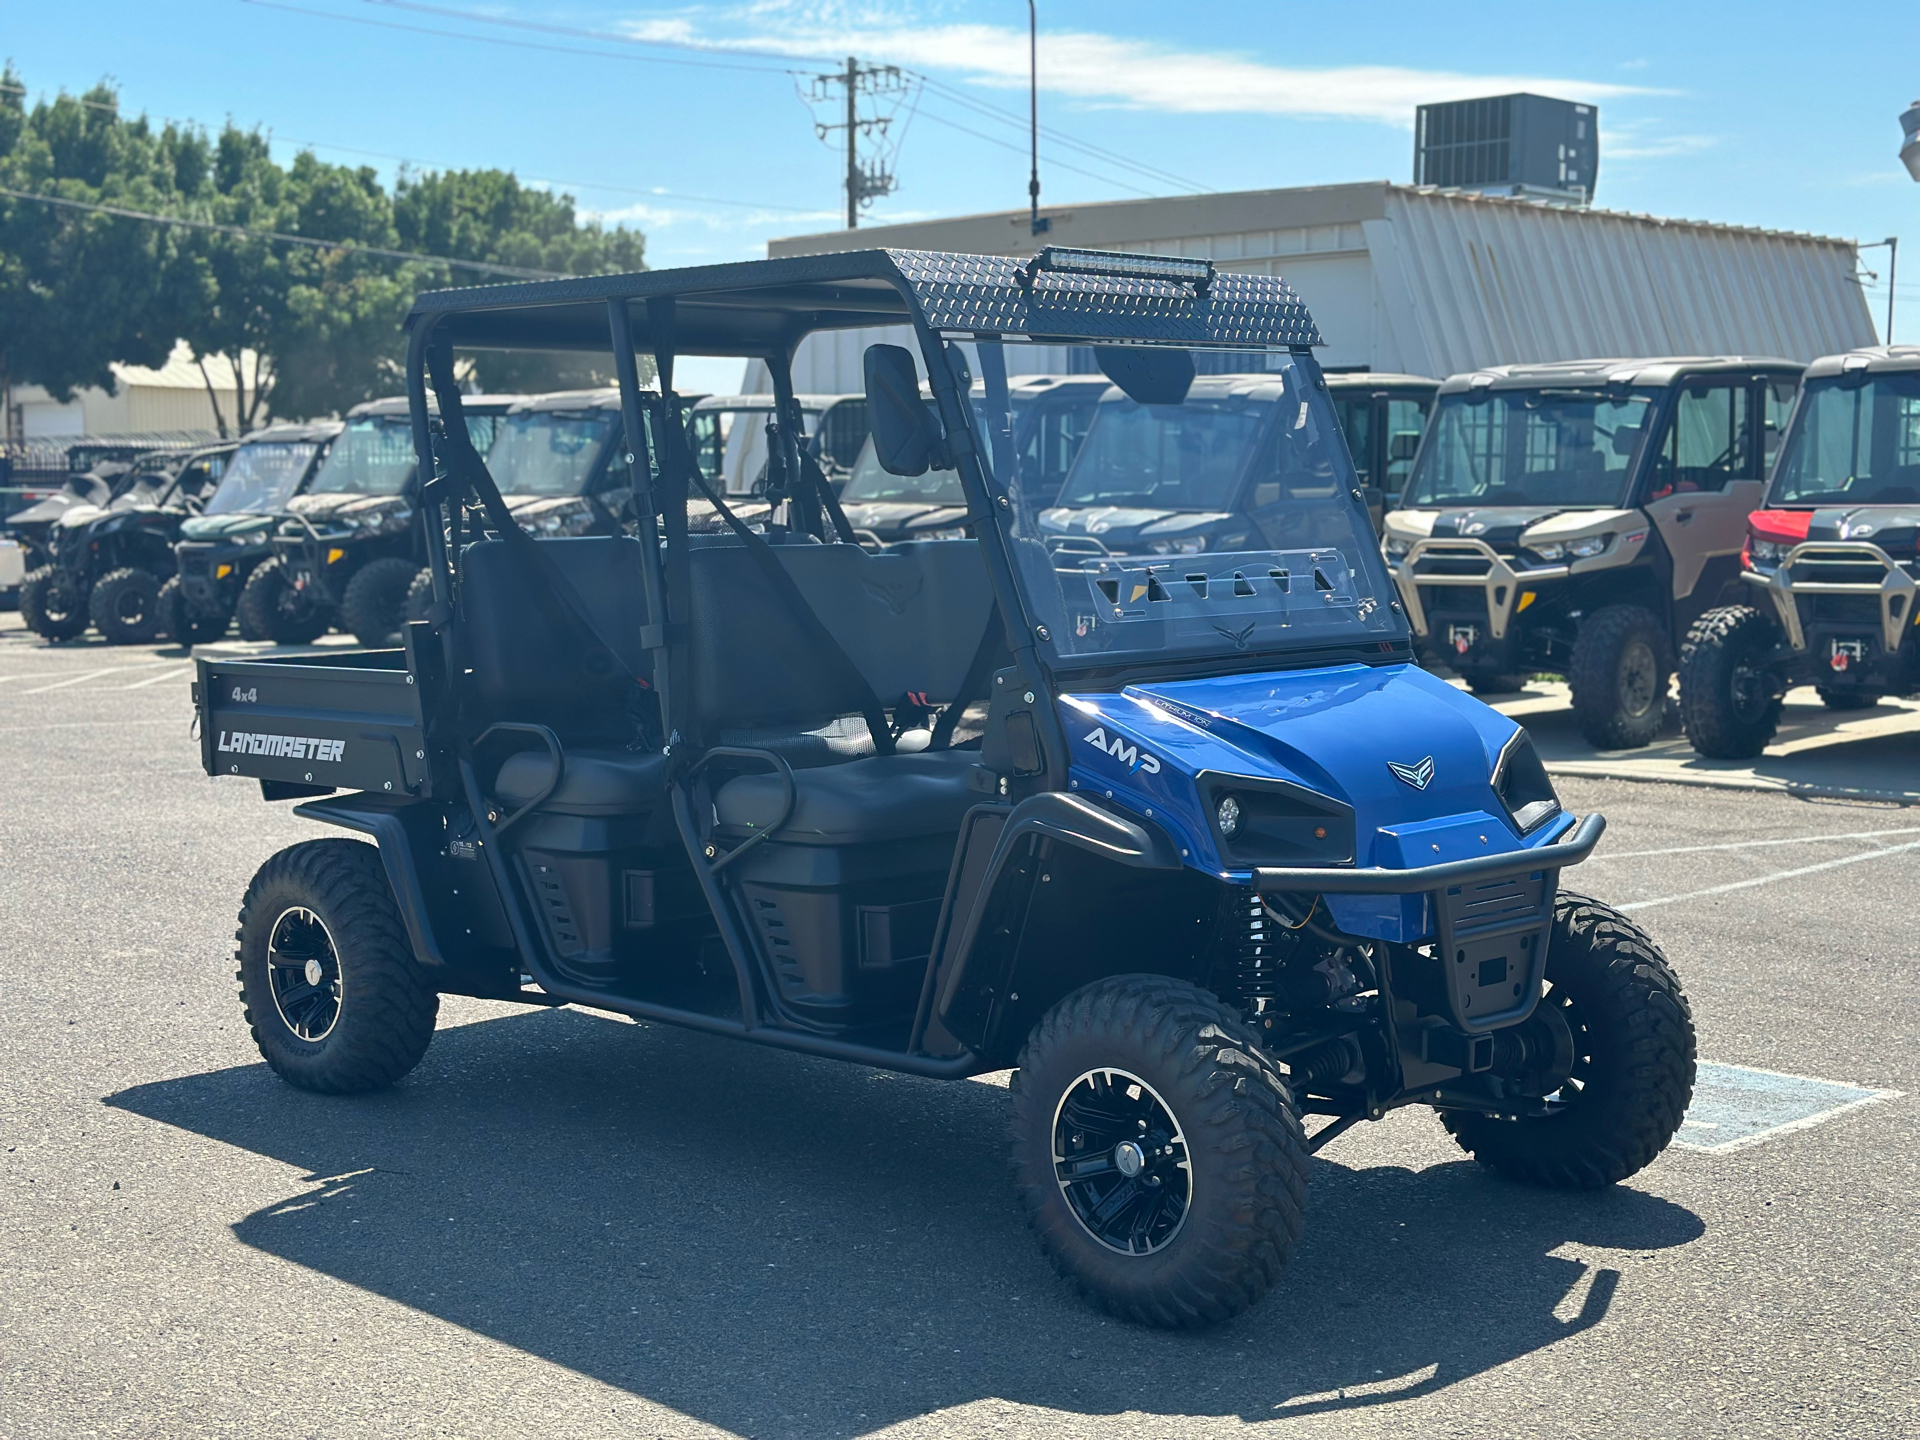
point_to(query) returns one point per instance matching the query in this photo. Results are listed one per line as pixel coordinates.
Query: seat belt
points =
(830, 502)
(974, 685)
(871, 710)
(472, 471)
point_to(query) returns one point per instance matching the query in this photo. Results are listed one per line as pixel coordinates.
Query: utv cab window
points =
(260, 478)
(1530, 447)
(372, 456)
(548, 452)
(871, 485)
(1853, 444)
(1708, 442)
(1165, 457)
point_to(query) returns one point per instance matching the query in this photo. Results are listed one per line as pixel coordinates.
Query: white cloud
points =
(1638, 143)
(1105, 69)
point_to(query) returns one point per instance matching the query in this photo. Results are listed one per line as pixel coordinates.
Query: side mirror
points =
(1404, 445)
(1148, 376)
(906, 436)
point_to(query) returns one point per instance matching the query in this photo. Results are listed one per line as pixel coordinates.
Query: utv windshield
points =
(261, 477)
(548, 452)
(1530, 447)
(372, 456)
(1165, 457)
(1853, 444)
(1302, 572)
(870, 485)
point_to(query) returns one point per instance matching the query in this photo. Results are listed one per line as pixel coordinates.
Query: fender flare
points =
(381, 821)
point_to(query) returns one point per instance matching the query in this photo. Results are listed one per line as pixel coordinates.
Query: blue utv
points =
(1189, 841)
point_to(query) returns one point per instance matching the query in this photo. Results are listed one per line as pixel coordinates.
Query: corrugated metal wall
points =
(1469, 282)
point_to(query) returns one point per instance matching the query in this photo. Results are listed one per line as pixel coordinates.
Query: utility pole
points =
(1040, 227)
(1892, 244)
(868, 180)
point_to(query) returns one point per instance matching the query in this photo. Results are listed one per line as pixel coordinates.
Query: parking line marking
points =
(75, 680)
(1880, 854)
(156, 679)
(89, 725)
(1754, 844)
(1748, 1106)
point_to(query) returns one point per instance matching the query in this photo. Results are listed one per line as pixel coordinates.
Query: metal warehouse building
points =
(1432, 282)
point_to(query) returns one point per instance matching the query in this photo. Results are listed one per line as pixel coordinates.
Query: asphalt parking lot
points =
(567, 1225)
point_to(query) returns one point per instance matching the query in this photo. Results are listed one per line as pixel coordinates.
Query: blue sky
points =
(1766, 114)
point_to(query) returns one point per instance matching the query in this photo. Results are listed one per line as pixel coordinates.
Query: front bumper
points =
(1491, 917)
(312, 562)
(1466, 564)
(1840, 567)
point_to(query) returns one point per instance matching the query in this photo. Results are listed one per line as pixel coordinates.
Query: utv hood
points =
(223, 527)
(1502, 525)
(1894, 528)
(1124, 527)
(332, 507)
(887, 518)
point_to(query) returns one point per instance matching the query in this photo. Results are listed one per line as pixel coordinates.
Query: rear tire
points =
(1847, 699)
(1633, 1060)
(420, 596)
(49, 606)
(1214, 1120)
(272, 609)
(375, 603)
(1620, 674)
(333, 995)
(1728, 703)
(179, 619)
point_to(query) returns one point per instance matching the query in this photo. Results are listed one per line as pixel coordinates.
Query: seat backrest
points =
(909, 617)
(530, 658)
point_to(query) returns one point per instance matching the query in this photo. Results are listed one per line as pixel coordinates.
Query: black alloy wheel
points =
(303, 970)
(1619, 675)
(1121, 1160)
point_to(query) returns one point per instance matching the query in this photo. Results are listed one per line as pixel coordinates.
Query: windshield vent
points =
(1320, 581)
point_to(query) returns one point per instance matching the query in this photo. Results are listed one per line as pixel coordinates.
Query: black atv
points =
(107, 563)
(348, 549)
(1832, 562)
(221, 546)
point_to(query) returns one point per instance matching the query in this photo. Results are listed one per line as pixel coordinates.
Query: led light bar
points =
(1064, 260)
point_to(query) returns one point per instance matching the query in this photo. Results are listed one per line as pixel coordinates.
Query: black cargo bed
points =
(346, 720)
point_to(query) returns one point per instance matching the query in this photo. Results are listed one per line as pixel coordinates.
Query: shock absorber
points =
(1256, 981)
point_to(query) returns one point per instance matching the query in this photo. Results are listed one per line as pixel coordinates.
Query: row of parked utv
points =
(1607, 521)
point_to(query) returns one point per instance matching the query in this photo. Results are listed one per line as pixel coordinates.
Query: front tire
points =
(332, 992)
(1497, 682)
(50, 607)
(1633, 1060)
(1619, 675)
(125, 605)
(181, 621)
(272, 609)
(1728, 702)
(1157, 1151)
(375, 602)
(1846, 699)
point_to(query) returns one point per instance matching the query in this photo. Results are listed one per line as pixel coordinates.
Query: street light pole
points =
(1892, 243)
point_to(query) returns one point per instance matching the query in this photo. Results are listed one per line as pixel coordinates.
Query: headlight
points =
(1588, 546)
(1185, 545)
(1229, 816)
(1397, 549)
(254, 537)
(572, 519)
(1549, 550)
(1768, 552)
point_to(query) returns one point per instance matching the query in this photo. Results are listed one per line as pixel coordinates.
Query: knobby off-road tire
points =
(1501, 682)
(272, 609)
(1620, 674)
(1846, 699)
(181, 622)
(1633, 1059)
(420, 596)
(1163, 1046)
(49, 606)
(375, 603)
(125, 606)
(1728, 703)
(318, 918)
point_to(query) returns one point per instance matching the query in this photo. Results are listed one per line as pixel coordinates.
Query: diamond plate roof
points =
(984, 293)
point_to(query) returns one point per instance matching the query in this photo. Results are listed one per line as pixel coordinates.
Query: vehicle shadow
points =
(781, 1245)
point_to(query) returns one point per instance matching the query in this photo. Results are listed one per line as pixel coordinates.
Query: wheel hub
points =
(1638, 672)
(1121, 1161)
(303, 973)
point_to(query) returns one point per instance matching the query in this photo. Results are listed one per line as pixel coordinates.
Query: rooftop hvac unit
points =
(1524, 145)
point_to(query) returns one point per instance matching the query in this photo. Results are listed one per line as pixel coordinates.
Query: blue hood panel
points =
(1332, 731)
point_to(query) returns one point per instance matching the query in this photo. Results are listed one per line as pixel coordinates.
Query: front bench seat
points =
(597, 783)
(885, 798)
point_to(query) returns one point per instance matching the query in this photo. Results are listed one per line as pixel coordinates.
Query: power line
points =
(450, 13)
(483, 267)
